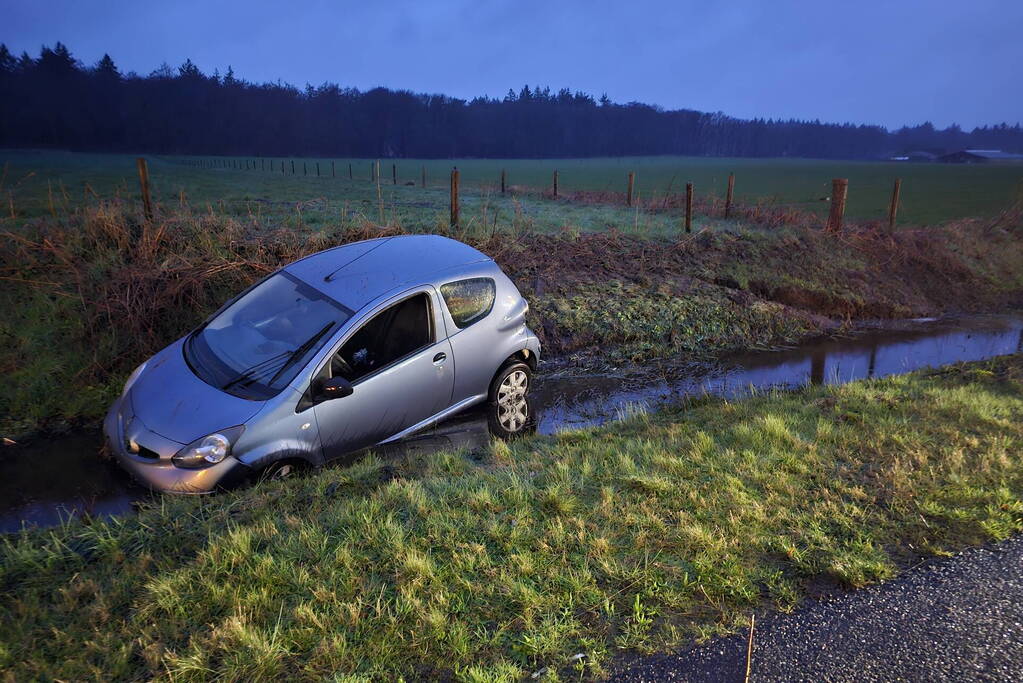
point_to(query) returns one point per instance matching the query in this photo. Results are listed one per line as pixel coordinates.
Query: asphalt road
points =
(959, 619)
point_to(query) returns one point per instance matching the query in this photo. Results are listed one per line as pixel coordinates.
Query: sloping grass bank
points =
(487, 566)
(89, 294)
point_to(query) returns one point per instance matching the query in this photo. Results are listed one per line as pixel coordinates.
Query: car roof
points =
(357, 273)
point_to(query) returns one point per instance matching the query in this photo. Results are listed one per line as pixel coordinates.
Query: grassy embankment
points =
(90, 289)
(489, 565)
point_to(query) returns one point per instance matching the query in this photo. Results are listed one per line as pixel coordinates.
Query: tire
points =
(510, 413)
(282, 469)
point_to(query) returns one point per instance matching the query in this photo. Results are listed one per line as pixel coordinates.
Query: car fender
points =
(278, 432)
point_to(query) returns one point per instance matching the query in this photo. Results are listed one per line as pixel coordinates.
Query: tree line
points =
(55, 101)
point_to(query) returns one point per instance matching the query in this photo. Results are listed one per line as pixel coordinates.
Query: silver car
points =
(354, 346)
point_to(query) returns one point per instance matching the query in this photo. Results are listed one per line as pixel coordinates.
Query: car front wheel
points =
(510, 411)
(280, 470)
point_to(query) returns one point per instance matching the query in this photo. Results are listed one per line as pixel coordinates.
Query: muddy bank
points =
(815, 279)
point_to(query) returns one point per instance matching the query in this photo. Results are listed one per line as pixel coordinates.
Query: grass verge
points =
(487, 566)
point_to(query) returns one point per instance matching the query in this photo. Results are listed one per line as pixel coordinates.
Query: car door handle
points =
(440, 358)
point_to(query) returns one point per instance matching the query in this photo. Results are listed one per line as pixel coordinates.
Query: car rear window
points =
(469, 301)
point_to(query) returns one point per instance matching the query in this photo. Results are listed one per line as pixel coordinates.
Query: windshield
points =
(256, 346)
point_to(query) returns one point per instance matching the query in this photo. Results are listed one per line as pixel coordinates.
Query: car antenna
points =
(330, 276)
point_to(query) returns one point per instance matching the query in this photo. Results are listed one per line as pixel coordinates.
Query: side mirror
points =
(335, 387)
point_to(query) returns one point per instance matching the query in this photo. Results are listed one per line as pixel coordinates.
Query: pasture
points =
(38, 183)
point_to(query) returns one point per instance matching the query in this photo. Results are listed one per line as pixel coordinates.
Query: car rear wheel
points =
(510, 410)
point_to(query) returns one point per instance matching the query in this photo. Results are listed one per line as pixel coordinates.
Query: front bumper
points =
(156, 471)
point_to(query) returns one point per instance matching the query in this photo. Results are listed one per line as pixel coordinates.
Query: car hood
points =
(171, 401)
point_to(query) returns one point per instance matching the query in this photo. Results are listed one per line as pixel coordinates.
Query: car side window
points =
(469, 301)
(388, 336)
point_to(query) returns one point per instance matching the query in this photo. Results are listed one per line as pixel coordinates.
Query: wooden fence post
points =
(394, 174)
(504, 178)
(333, 173)
(350, 176)
(555, 184)
(454, 197)
(893, 210)
(317, 169)
(292, 167)
(729, 194)
(628, 192)
(147, 202)
(376, 173)
(424, 177)
(839, 189)
(689, 207)
(304, 169)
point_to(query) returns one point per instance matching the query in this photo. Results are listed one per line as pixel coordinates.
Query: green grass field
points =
(487, 566)
(931, 193)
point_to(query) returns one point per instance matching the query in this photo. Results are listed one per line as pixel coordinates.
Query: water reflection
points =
(573, 402)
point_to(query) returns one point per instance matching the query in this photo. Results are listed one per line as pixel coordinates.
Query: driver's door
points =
(400, 374)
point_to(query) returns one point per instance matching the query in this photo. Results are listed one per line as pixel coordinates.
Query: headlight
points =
(208, 450)
(132, 377)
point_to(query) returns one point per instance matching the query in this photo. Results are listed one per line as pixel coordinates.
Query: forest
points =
(54, 101)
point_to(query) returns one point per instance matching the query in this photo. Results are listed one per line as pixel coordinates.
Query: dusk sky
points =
(867, 62)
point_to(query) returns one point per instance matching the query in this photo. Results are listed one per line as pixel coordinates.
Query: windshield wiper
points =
(301, 351)
(289, 357)
(249, 373)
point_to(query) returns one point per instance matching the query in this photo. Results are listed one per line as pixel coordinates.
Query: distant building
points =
(918, 155)
(979, 156)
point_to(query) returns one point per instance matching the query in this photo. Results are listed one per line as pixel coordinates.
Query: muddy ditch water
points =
(49, 479)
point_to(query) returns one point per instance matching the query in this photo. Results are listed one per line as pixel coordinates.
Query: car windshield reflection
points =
(254, 347)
